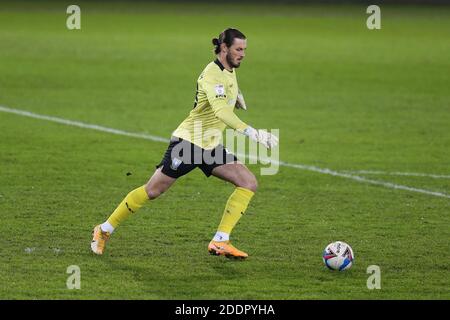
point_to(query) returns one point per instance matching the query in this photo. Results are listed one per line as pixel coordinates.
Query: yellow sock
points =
(235, 208)
(132, 202)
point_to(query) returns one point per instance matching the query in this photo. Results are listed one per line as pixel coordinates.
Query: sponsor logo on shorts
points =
(175, 163)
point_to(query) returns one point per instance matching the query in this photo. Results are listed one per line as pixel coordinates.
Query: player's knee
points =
(253, 185)
(250, 184)
(153, 193)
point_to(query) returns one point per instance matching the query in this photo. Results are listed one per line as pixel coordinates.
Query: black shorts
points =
(182, 157)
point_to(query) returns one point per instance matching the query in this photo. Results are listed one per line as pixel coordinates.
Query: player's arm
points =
(240, 102)
(215, 92)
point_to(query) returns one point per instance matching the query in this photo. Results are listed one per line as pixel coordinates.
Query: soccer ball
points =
(338, 256)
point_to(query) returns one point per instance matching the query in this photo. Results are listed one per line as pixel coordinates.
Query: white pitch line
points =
(395, 173)
(83, 125)
(160, 139)
(362, 179)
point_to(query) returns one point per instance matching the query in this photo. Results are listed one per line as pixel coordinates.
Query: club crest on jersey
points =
(220, 91)
(175, 163)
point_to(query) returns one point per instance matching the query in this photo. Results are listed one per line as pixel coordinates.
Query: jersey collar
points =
(221, 65)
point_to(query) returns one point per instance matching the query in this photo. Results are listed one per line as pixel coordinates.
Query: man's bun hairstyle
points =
(227, 37)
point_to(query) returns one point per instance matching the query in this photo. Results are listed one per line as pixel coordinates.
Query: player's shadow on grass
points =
(228, 268)
(204, 266)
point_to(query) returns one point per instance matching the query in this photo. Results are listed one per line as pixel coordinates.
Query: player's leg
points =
(237, 174)
(172, 166)
(246, 184)
(157, 184)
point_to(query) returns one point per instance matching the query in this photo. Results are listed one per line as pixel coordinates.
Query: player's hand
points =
(267, 139)
(240, 102)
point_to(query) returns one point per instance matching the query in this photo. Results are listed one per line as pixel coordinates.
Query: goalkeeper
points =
(196, 141)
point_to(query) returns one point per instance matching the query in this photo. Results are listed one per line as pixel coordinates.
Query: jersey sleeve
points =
(214, 88)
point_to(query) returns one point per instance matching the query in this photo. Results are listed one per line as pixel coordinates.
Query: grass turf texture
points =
(344, 98)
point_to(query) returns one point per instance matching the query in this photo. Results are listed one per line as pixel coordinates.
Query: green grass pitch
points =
(344, 98)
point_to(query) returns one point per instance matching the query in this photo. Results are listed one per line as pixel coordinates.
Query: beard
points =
(231, 63)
